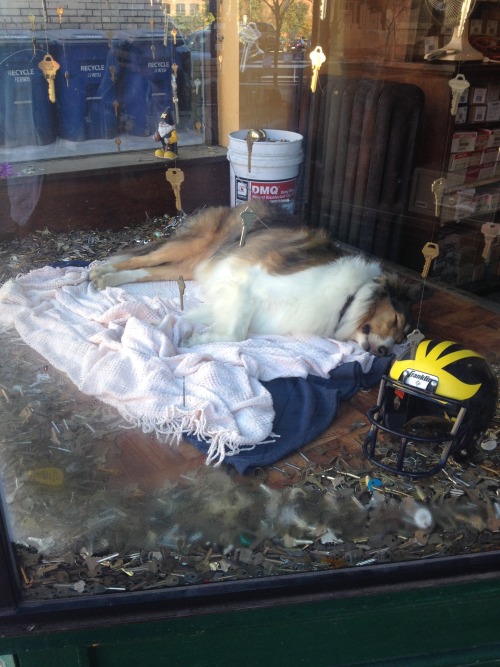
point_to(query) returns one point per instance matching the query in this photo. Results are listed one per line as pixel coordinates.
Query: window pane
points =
(132, 460)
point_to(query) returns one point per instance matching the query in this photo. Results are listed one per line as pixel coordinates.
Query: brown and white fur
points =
(281, 281)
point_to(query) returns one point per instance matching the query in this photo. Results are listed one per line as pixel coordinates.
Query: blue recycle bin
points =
(27, 116)
(145, 83)
(86, 84)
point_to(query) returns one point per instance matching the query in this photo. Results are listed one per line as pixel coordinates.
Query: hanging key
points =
(438, 187)
(176, 177)
(31, 19)
(112, 71)
(317, 59)
(116, 106)
(182, 288)
(49, 68)
(173, 32)
(109, 35)
(152, 24)
(491, 231)
(458, 86)
(118, 143)
(175, 98)
(60, 12)
(198, 126)
(197, 84)
(248, 217)
(430, 251)
(251, 138)
(250, 141)
(415, 338)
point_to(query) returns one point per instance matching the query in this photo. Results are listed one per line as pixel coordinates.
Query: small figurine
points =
(167, 134)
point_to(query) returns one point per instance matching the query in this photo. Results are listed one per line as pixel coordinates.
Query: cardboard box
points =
(458, 161)
(476, 157)
(493, 111)
(483, 137)
(462, 142)
(493, 92)
(478, 95)
(492, 27)
(461, 115)
(476, 27)
(477, 114)
(490, 155)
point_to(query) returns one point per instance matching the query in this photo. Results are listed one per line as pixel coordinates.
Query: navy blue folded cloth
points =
(305, 408)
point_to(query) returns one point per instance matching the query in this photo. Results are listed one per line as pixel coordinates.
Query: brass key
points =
(438, 187)
(182, 288)
(247, 218)
(49, 68)
(317, 59)
(430, 251)
(250, 141)
(415, 338)
(490, 230)
(175, 177)
(251, 138)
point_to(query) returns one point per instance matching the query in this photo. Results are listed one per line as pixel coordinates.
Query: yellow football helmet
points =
(436, 404)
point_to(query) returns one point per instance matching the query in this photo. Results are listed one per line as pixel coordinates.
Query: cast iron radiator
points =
(361, 160)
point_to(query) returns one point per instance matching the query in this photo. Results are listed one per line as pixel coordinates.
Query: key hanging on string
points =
(60, 12)
(175, 98)
(458, 85)
(182, 288)
(176, 177)
(49, 69)
(247, 218)
(430, 251)
(438, 188)
(317, 59)
(490, 231)
(414, 338)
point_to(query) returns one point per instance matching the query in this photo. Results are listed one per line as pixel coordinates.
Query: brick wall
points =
(87, 14)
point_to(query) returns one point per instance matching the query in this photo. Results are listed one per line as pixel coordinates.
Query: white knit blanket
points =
(124, 346)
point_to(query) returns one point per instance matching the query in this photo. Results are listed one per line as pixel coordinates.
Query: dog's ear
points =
(402, 294)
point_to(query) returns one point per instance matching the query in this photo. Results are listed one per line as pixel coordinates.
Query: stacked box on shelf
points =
(460, 251)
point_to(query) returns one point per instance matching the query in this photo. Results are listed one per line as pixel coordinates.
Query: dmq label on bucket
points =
(280, 192)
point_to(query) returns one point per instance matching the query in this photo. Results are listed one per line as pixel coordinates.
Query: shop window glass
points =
(104, 430)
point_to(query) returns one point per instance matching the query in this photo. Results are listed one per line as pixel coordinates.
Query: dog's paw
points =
(102, 276)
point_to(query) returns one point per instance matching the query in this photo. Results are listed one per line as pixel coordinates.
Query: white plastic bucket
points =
(274, 168)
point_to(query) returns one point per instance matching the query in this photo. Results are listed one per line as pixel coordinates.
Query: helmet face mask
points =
(430, 407)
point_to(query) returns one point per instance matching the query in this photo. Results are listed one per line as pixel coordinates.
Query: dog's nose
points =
(382, 351)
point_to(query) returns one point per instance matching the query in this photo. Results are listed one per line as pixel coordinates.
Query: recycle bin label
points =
(278, 192)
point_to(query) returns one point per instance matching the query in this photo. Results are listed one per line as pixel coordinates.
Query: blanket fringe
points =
(179, 423)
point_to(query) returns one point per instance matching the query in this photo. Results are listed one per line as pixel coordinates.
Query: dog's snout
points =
(382, 351)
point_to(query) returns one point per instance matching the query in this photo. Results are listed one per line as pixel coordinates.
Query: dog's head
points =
(388, 321)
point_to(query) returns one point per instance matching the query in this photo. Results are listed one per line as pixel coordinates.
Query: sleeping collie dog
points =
(277, 280)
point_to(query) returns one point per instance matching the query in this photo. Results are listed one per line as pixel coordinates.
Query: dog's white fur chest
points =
(326, 300)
